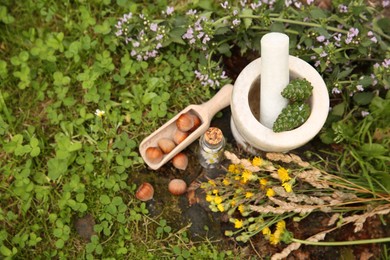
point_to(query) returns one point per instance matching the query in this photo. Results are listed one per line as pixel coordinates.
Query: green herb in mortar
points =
(297, 111)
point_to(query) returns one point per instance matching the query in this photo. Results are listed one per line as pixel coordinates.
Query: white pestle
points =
(274, 76)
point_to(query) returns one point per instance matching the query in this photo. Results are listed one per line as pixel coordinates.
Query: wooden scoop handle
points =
(217, 103)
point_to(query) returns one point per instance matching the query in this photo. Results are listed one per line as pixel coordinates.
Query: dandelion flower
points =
(209, 198)
(287, 186)
(221, 207)
(215, 191)
(266, 231)
(232, 168)
(249, 194)
(226, 182)
(263, 182)
(212, 183)
(241, 208)
(248, 175)
(218, 200)
(274, 240)
(257, 161)
(283, 174)
(238, 223)
(270, 192)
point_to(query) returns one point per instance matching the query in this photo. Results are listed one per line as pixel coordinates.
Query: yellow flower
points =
(274, 240)
(280, 229)
(266, 231)
(247, 175)
(241, 208)
(263, 183)
(281, 225)
(209, 198)
(233, 203)
(218, 200)
(221, 207)
(226, 182)
(257, 161)
(287, 186)
(232, 168)
(283, 174)
(270, 192)
(249, 194)
(212, 183)
(238, 223)
(215, 191)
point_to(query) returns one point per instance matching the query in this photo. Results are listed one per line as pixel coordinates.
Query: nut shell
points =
(179, 136)
(197, 122)
(154, 154)
(185, 122)
(166, 145)
(180, 161)
(177, 186)
(145, 192)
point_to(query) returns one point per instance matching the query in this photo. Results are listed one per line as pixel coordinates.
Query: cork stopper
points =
(213, 136)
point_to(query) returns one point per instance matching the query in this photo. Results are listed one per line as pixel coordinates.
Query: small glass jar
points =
(211, 147)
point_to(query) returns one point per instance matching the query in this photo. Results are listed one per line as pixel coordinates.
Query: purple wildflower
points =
(255, 6)
(170, 10)
(386, 63)
(374, 80)
(189, 34)
(353, 32)
(309, 2)
(343, 8)
(385, 3)
(225, 4)
(191, 12)
(206, 38)
(323, 54)
(236, 22)
(359, 88)
(321, 38)
(373, 38)
(336, 90)
(365, 113)
(153, 27)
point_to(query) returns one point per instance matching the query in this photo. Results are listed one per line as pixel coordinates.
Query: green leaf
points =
(372, 150)
(225, 49)
(74, 146)
(318, 13)
(176, 35)
(56, 168)
(147, 97)
(4, 16)
(247, 21)
(35, 151)
(384, 24)
(104, 28)
(60, 243)
(104, 199)
(363, 98)
(5, 251)
(338, 110)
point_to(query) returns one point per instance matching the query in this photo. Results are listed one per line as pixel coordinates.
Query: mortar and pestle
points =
(255, 103)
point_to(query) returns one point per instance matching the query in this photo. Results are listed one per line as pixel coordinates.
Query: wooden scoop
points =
(205, 112)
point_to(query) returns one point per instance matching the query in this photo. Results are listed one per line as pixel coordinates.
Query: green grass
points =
(60, 61)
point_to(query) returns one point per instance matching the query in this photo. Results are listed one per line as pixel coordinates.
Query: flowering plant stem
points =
(343, 243)
(283, 20)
